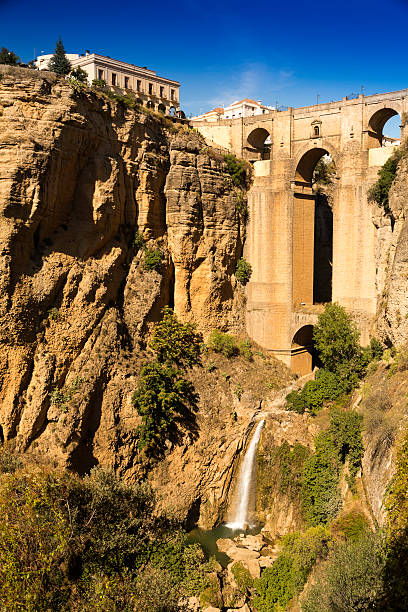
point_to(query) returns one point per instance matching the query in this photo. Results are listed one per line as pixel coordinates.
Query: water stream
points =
(240, 515)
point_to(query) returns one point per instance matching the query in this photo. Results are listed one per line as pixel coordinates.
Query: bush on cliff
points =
(8, 57)
(379, 192)
(223, 343)
(153, 259)
(164, 398)
(320, 494)
(238, 169)
(243, 271)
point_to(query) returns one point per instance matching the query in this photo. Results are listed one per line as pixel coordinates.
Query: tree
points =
(59, 62)
(176, 343)
(8, 57)
(337, 341)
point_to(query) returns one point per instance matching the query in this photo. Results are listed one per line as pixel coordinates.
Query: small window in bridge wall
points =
(316, 130)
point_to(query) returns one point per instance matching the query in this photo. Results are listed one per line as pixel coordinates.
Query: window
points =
(100, 75)
(150, 88)
(139, 85)
(172, 94)
(113, 79)
(161, 92)
(316, 130)
(126, 82)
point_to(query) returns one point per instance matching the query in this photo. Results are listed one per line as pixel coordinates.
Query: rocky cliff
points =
(392, 261)
(80, 175)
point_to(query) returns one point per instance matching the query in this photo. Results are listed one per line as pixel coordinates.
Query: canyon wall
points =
(80, 174)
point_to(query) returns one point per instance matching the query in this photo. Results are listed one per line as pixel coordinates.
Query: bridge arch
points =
(377, 122)
(258, 142)
(312, 251)
(302, 351)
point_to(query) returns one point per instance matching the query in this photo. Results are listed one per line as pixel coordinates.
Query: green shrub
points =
(99, 83)
(138, 242)
(244, 347)
(242, 577)
(283, 581)
(153, 259)
(352, 578)
(9, 57)
(243, 271)
(222, 343)
(280, 469)
(175, 342)
(376, 349)
(351, 526)
(327, 386)
(320, 495)
(163, 398)
(380, 190)
(238, 169)
(295, 401)
(90, 544)
(79, 75)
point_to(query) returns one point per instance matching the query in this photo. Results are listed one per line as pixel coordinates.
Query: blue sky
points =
(285, 52)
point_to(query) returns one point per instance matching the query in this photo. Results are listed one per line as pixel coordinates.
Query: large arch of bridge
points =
(312, 231)
(304, 162)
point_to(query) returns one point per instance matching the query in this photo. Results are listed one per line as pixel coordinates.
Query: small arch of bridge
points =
(305, 161)
(257, 145)
(377, 121)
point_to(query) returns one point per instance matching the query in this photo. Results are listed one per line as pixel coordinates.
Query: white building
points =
(241, 108)
(151, 90)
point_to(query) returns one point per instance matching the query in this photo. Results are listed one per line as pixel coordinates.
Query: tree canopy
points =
(8, 57)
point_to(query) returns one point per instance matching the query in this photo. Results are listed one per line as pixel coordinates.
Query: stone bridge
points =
(306, 249)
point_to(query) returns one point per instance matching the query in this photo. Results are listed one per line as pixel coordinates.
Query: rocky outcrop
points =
(392, 261)
(80, 175)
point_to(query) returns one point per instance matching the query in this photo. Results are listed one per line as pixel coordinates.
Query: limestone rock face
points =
(392, 261)
(80, 174)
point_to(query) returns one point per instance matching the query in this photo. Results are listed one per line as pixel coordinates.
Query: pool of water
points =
(208, 540)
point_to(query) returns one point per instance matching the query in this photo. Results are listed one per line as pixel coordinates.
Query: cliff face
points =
(392, 261)
(79, 175)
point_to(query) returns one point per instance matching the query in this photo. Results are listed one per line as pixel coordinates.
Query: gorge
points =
(109, 214)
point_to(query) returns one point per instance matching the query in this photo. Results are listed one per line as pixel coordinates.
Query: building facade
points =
(241, 108)
(151, 90)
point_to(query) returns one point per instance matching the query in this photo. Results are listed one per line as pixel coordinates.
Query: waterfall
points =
(246, 473)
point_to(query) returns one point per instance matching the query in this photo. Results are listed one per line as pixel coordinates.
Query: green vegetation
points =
(176, 343)
(320, 493)
(344, 361)
(351, 580)
(280, 583)
(222, 343)
(138, 242)
(245, 350)
(62, 397)
(99, 83)
(243, 271)
(239, 170)
(59, 62)
(163, 398)
(8, 57)
(280, 469)
(242, 577)
(324, 171)
(79, 75)
(379, 192)
(90, 544)
(153, 259)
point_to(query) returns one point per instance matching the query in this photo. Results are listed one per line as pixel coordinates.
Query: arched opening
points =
(181, 114)
(172, 111)
(161, 108)
(303, 354)
(316, 130)
(150, 104)
(259, 144)
(384, 128)
(313, 228)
